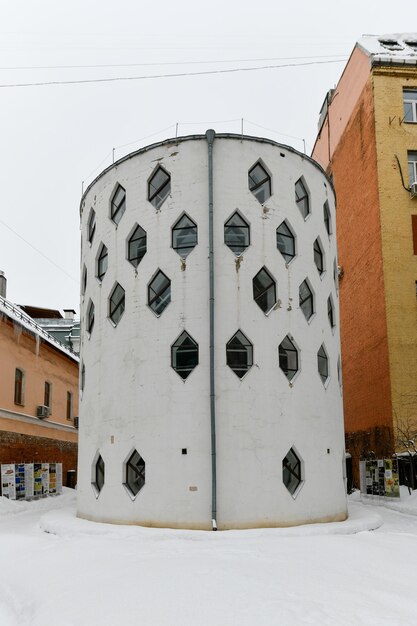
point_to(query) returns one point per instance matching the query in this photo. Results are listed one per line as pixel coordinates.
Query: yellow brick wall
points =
(395, 138)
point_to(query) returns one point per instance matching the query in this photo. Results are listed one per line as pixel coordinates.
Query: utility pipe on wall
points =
(210, 134)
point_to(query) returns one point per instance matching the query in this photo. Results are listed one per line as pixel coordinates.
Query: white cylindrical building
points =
(210, 350)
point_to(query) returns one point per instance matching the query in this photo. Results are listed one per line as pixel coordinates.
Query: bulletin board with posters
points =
(379, 477)
(8, 481)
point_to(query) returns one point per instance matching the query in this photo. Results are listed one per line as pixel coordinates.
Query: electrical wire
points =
(109, 65)
(39, 251)
(155, 76)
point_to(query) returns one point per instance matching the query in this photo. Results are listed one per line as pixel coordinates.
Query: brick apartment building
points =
(38, 392)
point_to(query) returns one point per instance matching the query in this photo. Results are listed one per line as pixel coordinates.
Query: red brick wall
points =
(18, 448)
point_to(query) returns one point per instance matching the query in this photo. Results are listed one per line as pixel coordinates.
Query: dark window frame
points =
(318, 256)
(191, 350)
(135, 253)
(159, 298)
(178, 231)
(115, 306)
(135, 478)
(287, 235)
(262, 188)
(19, 386)
(69, 408)
(323, 364)
(158, 194)
(90, 317)
(327, 218)
(99, 474)
(330, 312)
(230, 235)
(117, 207)
(47, 394)
(102, 262)
(292, 474)
(260, 291)
(91, 226)
(285, 358)
(303, 301)
(302, 197)
(239, 366)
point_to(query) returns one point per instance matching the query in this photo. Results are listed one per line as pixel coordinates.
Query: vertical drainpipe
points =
(210, 134)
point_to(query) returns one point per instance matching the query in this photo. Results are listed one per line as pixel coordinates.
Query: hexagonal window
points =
(184, 236)
(118, 204)
(292, 471)
(286, 241)
(302, 197)
(136, 246)
(335, 275)
(91, 226)
(236, 234)
(288, 358)
(98, 474)
(330, 312)
(318, 256)
(184, 355)
(102, 262)
(90, 317)
(306, 299)
(259, 182)
(134, 473)
(264, 290)
(82, 377)
(159, 293)
(84, 281)
(327, 218)
(323, 363)
(159, 187)
(116, 304)
(239, 354)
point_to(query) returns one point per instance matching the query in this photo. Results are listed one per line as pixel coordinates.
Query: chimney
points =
(69, 314)
(3, 285)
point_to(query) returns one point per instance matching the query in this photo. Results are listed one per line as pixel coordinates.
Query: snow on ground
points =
(57, 570)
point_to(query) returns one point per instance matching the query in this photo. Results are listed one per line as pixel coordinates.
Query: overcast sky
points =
(54, 137)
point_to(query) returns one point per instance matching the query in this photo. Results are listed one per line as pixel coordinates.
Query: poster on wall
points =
(59, 478)
(45, 479)
(8, 484)
(29, 480)
(20, 481)
(392, 483)
(37, 480)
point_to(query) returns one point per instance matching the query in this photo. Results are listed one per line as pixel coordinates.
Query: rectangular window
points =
(47, 396)
(412, 167)
(69, 405)
(19, 378)
(410, 105)
(414, 229)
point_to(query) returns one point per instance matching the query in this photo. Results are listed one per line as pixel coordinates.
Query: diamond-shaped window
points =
(184, 355)
(159, 293)
(318, 256)
(327, 218)
(98, 474)
(90, 317)
(330, 312)
(237, 234)
(259, 182)
(134, 473)
(323, 363)
(306, 299)
(91, 226)
(116, 304)
(136, 246)
(286, 241)
(184, 236)
(264, 290)
(159, 187)
(102, 262)
(302, 197)
(118, 204)
(239, 354)
(292, 471)
(288, 358)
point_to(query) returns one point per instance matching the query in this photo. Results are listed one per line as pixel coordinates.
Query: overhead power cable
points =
(155, 76)
(61, 269)
(161, 63)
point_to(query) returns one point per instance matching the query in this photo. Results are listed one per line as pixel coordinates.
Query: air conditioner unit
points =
(413, 190)
(42, 411)
(76, 422)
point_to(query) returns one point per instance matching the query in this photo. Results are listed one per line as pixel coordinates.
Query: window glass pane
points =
(259, 183)
(118, 204)
(137, 246)
(135, 473)
(99, 483)
(184, 355)
(264, 291)
(288, 358)
(306, 300)
(285, 242)
(301, 198)
(159, 293)
(291, 471)
(236, 234)
(159, 187)
(184, 236)
(318, 256)
(102, 263)
(239, 354)
(117, 303)
(322, 363)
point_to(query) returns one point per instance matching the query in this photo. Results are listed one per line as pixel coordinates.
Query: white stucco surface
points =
(133, 399)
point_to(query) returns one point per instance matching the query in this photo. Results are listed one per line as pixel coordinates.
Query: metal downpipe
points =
(210, 134)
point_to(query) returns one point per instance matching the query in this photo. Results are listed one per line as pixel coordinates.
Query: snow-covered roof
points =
(393, 49)
(20, 317)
